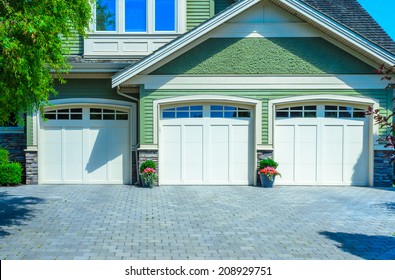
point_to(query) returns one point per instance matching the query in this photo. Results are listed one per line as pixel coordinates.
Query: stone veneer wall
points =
(15, 143)
(31, 167)
(147, 154)
(383, 169)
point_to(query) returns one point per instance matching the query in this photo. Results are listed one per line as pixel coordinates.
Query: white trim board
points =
(259, 82)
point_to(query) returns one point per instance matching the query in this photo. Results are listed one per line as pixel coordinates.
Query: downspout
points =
(136, 100)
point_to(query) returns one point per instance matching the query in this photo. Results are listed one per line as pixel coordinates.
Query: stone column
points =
(383, 169)
(31, 167)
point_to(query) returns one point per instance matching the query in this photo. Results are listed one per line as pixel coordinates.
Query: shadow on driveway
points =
(368, 247)
(14, 210)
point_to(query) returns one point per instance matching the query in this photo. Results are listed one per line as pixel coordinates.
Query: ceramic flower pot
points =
(266, 182)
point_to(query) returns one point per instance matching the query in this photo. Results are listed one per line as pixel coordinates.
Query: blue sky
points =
(383, 12)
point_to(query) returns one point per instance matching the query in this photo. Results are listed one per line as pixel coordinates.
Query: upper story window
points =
(144, 16)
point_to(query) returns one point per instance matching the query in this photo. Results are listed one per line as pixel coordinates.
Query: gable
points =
(234, 56)
(263, 37)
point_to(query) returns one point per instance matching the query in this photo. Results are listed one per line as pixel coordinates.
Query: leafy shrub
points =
(268, 162)
(10, 173)
(3, 156)
(147, 164)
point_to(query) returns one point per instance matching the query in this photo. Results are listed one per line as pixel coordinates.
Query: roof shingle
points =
(352, 15)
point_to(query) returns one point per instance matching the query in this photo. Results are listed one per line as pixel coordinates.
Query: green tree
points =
(34, 39)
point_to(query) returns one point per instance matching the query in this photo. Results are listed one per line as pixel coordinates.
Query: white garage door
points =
(210, 144)
(85, 145)
(322, 145)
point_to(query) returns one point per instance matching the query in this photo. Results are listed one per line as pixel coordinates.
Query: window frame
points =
(120, 16)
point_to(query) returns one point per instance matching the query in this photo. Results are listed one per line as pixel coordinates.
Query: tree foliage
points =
(34, 37)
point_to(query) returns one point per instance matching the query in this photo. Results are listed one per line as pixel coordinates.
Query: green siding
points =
(146, 110)
(265, 56)
(221, 5)
(87, 88)
(198, 11)
(76, 44)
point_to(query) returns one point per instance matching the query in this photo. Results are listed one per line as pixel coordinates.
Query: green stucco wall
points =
(148, 96)
(265, 56)
(198, 11)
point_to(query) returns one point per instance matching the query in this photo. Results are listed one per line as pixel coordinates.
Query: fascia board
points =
(182, 41)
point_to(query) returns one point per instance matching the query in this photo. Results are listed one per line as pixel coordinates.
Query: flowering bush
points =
(149, 175)
(270, 172)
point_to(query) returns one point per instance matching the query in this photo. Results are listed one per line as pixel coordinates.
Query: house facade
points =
(208, 88)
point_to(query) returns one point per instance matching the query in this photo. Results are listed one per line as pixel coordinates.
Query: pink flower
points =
(149, 170)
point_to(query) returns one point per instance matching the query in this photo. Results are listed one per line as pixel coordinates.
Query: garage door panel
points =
(306, 153)
(73, 153)
(306, 146)
(219, 153)
(306, 173)
(285, 134)
(287, 173)
(284, 152)
(357, 174)
(171, 154)
(355, 134)
(193, 167)
(333, 134)
(116, 170)
(307, 134)
(52, 156)
(118, 135)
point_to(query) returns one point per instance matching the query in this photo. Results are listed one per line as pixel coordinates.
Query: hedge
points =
(10, 173)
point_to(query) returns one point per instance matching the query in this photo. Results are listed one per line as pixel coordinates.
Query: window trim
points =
(120, 26)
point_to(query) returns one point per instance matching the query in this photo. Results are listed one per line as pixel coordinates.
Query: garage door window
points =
(218, 111)
(107, 114)
(297, 112)
(343, 112)
(183, 112)
(64, 114)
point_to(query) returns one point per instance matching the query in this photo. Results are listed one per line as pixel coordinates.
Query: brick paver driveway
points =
(196, 222)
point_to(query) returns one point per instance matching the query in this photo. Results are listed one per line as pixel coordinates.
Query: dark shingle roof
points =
(353, 16)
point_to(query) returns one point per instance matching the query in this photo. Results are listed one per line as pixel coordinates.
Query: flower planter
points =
(266, 182)
(146, 183)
